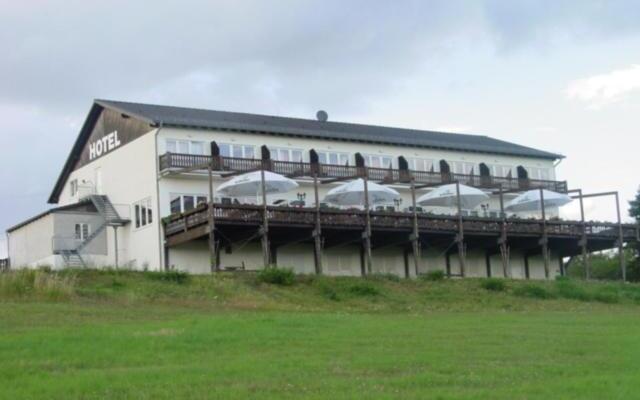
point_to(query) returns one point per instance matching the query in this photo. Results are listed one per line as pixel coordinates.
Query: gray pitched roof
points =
(210, 119)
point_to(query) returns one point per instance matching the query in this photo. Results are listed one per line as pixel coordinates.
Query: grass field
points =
(84, 335)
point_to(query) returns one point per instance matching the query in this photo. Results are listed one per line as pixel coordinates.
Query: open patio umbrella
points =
(250, 185)
(446, 196)
(352, 194)
(530, 201)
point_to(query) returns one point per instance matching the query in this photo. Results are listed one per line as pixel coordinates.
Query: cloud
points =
(600, 90)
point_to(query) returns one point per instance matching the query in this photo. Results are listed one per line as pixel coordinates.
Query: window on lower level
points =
(333, 158)
(143, 213)
(185, 202)
(82, 231)
(185, 146)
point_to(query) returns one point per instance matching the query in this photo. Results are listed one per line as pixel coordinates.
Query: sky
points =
(562, 76)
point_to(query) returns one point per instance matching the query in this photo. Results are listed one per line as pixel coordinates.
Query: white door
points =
(98, 180)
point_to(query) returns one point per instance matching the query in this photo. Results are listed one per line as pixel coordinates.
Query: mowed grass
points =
(84, 335)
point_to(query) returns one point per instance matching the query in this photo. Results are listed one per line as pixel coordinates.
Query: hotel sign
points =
(110, 132)
(104, 145)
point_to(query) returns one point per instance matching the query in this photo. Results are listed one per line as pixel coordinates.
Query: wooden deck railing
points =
(171, 161)
(350, 219)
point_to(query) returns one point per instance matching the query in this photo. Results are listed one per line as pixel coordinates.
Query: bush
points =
(329, 293)
(364, 289)
(277, 276)
(533, 291)
(173, 276)
(433, 276)
(494, 284)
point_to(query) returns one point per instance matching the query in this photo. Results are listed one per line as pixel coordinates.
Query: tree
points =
(634, 266)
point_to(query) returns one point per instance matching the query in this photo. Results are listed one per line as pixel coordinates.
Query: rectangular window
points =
(185, 146)
(285, 154)
(73, 187)
(333, 158)
(420, 164)
(185, 202)
(81, 231)
(378, 161)
(236, 150)
(143, 213)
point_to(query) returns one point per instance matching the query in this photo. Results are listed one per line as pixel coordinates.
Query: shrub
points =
(277, 276)
(364, 289)
(329, 293)
(494, 284)
(173, 276)
(532, 291)
(433, 276)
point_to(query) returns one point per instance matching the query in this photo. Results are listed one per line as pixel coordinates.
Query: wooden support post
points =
(487, 260)
(561, 265)
(623, 267)
(415, 236)
(265, 222)
(502, 242)
(213, 255)
(406, 263)
(317, 238)
(460, 237)
(583, 240)
(545, 240)
(526, 266)
(367, 232)
(115, 240)
(447, 261)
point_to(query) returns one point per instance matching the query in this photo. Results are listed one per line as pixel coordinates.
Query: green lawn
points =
(124, 335)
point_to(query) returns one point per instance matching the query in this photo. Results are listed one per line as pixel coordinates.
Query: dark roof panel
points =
(210, 119)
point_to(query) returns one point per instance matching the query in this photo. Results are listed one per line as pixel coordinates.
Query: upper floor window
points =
(333, 158)
(82, 231)
(185, 202)
(73, 187)
(461, 167)
(420, 164)
(501, 171)
(285, 154)
(237, 150)
(185, 146)
(538, 173)
(378, 161)
(142, 212)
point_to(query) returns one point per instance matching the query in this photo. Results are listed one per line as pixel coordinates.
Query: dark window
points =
(137, 213)
(175, 205)
(188, 203)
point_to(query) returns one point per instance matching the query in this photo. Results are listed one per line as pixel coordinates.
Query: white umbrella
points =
(250, 185)
(446, 196)
(352, 194)
(530, 200)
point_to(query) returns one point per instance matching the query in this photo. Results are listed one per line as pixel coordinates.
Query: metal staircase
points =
(105, 208)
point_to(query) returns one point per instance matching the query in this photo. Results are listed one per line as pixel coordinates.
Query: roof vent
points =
(322, 116)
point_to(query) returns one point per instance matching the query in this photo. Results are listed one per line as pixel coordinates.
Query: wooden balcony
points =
(173, 161)
(190, 225)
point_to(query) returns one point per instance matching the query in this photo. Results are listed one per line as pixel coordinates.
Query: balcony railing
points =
(174, 161)
(246, 214)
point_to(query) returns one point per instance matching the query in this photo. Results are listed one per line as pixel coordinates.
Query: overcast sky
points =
(557, 75)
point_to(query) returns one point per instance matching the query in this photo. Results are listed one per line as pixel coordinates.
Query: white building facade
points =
(124, 177)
